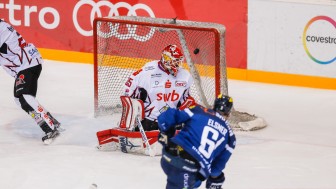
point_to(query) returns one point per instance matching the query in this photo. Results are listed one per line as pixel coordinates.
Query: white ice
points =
(296, 151)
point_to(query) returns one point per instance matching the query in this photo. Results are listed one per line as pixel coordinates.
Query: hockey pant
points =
(25, 89)
(128, 141)
(181, 173)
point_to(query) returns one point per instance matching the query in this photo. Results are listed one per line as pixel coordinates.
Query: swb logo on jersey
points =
(174, 96)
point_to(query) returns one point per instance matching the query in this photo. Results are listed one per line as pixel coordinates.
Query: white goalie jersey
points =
(158, 89)
(15, 53)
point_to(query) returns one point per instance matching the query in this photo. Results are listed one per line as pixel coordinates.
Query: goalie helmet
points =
(172, 58)
(223, 104)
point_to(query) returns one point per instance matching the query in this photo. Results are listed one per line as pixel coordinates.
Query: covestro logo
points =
(319, 39)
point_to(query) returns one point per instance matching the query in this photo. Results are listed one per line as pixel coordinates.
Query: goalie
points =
(149, 91)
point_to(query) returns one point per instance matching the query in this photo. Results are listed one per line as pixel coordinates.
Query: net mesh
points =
(124, 44)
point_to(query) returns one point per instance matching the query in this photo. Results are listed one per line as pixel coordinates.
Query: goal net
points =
(124, 44)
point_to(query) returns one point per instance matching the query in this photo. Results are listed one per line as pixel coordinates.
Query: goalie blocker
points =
(129, 137)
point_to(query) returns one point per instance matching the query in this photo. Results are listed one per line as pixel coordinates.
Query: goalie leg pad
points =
(131, 109)
(107, 136)
(127, 141)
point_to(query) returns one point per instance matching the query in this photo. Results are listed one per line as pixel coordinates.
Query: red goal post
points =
(124, 44)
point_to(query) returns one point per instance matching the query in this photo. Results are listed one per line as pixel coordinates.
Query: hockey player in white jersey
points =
(22, 61)
(158, 85)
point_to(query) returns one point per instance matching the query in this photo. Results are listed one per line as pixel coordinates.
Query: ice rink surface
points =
(296, 151)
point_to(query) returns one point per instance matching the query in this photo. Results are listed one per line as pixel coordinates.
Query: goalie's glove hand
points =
(215, 183)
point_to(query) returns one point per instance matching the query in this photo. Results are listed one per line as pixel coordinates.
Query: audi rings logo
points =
(96, 10)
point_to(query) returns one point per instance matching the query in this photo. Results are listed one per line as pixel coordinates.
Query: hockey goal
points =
(124, 44)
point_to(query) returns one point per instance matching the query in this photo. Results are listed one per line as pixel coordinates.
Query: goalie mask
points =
(223, 104)
(172, 58)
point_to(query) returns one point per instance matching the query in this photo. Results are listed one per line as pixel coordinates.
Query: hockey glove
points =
(164, 137)
(215, 183)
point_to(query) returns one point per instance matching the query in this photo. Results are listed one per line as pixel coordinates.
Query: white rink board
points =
(276, 32)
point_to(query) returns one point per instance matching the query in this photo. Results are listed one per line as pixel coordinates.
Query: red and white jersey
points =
(158, 89)
(15, 53)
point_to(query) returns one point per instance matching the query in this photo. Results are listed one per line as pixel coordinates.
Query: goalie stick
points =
(144, 138)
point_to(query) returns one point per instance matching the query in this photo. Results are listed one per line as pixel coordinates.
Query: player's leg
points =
(107, 140)
(177, 178)
(20, 101)
(127, 136)
(36, 71)
(25, 89)
(127, 141)
(180, 173)
(133, 108)
(38, 108)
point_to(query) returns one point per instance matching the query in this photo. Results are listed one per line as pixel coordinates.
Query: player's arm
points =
(215, 182)
(9, 71)
(217, 178)
(167, 122)
(172, 117)
(3, 31)
(220, 161)
(131, 84)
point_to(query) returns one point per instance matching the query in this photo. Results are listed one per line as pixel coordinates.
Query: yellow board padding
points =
(282, 78)
(137, 63)
(233, 73)
(66, 56)
(294, 80)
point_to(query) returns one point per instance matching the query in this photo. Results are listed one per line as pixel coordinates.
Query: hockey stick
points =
(144, 138)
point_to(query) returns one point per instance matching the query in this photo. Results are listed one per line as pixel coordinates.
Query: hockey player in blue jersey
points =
(201, 149)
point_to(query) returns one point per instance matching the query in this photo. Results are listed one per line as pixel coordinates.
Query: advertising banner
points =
(293, 38)
(67, 25)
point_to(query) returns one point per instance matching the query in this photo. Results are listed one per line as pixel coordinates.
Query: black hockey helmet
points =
(223, 104)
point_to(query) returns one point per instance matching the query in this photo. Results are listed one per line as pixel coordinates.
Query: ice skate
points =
(50, 137)
(56, 123)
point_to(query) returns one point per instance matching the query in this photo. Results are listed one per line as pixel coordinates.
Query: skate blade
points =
(60, 129)
(50, 140)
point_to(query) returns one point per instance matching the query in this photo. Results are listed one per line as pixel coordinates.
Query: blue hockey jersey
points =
(206, 136)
